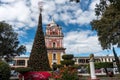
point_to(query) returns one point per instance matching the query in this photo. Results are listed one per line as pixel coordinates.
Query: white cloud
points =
(25, 16)
(8, 1)
(60, 1)
(23, 55)
(79, 42)
(16, 13)
(29, 46)
(21, 33)
(61, 10)
(85, 17)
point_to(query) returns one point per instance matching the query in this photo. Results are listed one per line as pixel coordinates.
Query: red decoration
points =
(36, 75)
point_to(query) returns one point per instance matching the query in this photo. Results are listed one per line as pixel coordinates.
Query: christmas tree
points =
(38, 58)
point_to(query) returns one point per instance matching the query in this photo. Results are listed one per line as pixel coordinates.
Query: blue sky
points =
(74, 18)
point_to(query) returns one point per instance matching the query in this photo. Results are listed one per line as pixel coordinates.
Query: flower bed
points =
(68, 73)
(35, 75)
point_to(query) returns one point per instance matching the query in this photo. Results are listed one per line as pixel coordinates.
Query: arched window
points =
(53, 44)
(54, 56)
(53, 33)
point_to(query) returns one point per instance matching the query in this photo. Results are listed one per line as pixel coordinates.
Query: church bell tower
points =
(54, 43)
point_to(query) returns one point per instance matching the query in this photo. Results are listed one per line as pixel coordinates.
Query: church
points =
(54, 43)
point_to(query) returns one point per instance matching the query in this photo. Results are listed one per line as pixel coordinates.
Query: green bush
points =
(4, 70)
(23, 70)
(59, 66)
(67, 62)
(103, 65)
(77, 66)
(67, 57)
(55, 66)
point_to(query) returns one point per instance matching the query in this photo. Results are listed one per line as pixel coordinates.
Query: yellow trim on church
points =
(50, 59)
(58, 58)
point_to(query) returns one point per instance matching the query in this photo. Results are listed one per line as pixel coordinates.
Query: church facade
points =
(54, 43)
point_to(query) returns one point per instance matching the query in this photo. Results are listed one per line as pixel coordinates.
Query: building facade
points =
(19, 62)
(85, 60)
(23, 61)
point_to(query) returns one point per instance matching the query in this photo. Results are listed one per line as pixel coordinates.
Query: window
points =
(27, 62)
(53, 44)
(54, 56)
(21, 62)
(54, 63)
(53, 33)
(75, 60)
(81, 60)
(87, 60)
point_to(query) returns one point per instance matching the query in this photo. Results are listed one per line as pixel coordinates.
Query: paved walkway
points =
(101, 77)
(109, 78)
(14, 78)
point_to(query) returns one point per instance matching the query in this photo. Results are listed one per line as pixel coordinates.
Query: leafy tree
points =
(104, 4)
(4, 71)
(23, 70)
(100, 8)
(108, 27)
(38, 58)
(103, 65)
(67, 60)
(107, 24)
(9, 43)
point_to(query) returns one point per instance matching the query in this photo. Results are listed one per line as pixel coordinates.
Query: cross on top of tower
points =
(53, 20)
